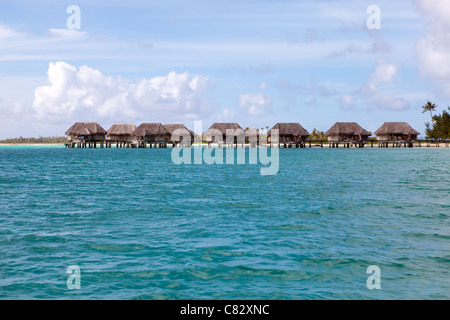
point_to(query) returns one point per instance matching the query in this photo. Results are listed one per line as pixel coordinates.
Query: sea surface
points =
(139, 226)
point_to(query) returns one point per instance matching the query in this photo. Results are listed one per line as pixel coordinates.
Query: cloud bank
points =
(372, 92)
(86, 93)
(433, 48)
(255, 104)
(6, 32)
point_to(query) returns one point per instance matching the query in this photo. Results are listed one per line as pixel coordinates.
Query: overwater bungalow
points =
(85, 134)
(347, 133)
(393, 131)
(289, 135)
(154, 134)
(220, 129)
(396, 132)
(178, 139)
(121, 134)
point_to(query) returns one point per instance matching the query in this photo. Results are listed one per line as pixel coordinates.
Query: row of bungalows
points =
(88, 134)
(289, 135)
(351, 133)
(156, 133)
(217, 134)
(294, 135)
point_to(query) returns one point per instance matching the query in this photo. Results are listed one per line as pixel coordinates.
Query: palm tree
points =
(429, 107)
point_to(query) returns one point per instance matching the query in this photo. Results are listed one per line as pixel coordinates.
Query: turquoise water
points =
(141, 227)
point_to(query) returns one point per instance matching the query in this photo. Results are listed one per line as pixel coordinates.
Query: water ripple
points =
(140, 227)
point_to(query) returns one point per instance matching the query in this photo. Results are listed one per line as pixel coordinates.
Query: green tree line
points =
(35, 140)
(439, 128)
(317, 135)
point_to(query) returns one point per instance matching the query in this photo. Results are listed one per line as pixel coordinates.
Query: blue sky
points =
(252, 62)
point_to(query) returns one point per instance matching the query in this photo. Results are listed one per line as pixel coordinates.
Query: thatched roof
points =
(347, 129)
(121, 129)
(396, 128)
(86, 129)
(172, 127)
(150, 129)
(222, 127)
(287, 129)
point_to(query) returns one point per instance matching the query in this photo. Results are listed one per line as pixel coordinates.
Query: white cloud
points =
(384, 73)
(6, 32)
(388, 102)
(12, 110)
(226, 115)
(436, 9)
(347, 102)
(66, 34)
(255, 104)
(372, 90)
(87, 93)
(433, 48)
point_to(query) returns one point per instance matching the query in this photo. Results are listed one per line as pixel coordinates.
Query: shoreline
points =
(30, 144)
(325, 145)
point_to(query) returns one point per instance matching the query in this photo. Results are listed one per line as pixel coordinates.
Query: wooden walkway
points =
(287, 144)
(117, 144)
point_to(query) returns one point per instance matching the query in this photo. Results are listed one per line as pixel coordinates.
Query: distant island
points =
(40, 140)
